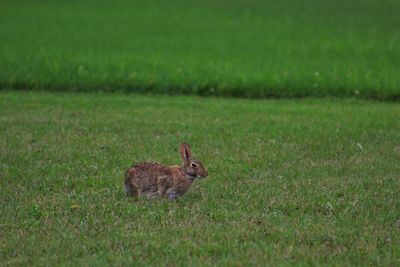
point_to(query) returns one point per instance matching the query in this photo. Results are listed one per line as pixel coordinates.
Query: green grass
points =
(292, 48)
(304, 182)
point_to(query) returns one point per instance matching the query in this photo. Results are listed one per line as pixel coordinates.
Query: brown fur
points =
(152, 178)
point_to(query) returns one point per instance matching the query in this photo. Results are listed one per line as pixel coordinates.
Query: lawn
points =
(304, 182)
(251, 48)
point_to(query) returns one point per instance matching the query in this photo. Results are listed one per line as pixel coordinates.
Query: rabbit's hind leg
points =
(152, 194)
(130, 189)
(163, 184)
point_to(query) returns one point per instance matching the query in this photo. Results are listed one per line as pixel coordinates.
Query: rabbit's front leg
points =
(171, 194)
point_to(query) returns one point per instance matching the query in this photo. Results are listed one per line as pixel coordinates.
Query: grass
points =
(292, 48)
(304, 182)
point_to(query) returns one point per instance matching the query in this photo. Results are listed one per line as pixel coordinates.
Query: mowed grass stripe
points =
(306, 182)
(226, 48)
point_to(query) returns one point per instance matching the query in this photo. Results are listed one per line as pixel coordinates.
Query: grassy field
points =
(305, 182)
(252, 48)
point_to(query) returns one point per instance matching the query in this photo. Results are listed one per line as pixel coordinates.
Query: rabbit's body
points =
(152, 178)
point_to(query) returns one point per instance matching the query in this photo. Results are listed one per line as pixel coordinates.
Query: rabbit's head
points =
(191, 167)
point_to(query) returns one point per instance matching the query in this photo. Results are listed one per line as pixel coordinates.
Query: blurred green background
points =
(228, 48)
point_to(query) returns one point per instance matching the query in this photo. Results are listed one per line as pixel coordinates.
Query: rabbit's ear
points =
(185, 151)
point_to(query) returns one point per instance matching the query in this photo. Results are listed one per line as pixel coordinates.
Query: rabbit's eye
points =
(194, 165)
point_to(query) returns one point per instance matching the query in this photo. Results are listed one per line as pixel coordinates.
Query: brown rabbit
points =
(155, 179)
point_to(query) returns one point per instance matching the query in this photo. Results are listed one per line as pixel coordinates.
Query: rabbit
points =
(154, 179)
